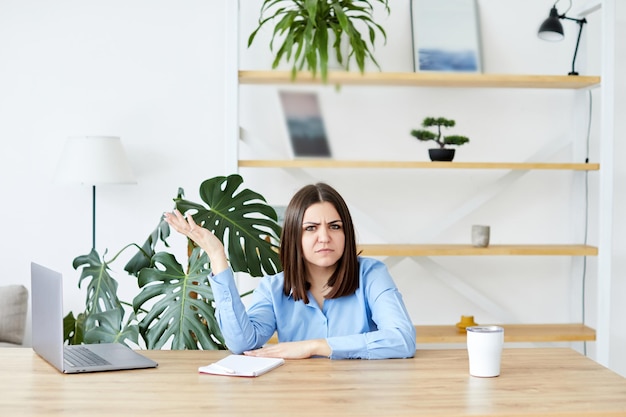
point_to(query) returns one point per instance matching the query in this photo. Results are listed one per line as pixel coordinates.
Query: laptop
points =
(47, 328)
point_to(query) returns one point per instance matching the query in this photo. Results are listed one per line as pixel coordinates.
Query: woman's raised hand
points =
(201, 237)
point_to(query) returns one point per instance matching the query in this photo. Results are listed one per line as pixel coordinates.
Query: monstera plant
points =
(174, 304)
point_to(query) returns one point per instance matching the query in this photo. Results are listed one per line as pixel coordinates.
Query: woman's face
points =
(323, 238)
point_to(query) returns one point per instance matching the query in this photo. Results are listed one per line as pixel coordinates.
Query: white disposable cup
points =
(484, 349)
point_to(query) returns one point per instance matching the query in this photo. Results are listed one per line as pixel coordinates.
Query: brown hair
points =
(345, 279)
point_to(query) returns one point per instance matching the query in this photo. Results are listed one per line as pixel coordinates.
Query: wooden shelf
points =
(518, 333)
(353, 164)
(469, 250)
(512, 333)
(424, 79)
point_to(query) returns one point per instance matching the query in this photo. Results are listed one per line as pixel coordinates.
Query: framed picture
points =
(305, 124)
(446, 35)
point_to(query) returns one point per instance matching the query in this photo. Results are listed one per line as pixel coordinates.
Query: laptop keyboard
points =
(82, 356)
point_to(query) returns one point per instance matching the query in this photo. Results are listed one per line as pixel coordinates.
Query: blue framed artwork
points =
(446, 35)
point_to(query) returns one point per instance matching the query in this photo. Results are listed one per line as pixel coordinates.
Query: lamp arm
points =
(580, 22)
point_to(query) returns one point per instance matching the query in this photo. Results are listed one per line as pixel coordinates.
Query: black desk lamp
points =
(552, 30)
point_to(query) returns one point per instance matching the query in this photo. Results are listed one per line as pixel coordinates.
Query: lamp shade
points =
(94, 160)
(551, 29)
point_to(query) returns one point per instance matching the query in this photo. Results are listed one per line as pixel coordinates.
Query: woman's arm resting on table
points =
(293, 350)
(395, 333)
(379, 344)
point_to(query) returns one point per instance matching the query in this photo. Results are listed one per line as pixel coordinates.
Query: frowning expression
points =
(323, 238)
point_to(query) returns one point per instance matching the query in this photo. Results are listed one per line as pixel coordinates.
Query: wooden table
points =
(534, 382)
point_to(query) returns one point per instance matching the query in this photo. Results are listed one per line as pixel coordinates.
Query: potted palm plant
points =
(173, 305)
(441, 153)
(304, 28)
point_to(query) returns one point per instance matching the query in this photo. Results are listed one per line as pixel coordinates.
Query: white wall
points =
(148, 71)
(152, 73)
(618, 290)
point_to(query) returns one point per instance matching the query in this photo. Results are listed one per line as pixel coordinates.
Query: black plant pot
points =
(441, 154)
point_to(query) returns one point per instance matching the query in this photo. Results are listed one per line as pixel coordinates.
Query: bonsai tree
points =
(442, 141)
(304, 27)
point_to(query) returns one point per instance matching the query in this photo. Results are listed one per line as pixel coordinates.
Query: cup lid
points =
(485, 329)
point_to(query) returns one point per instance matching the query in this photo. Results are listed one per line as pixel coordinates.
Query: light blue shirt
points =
(372, 323)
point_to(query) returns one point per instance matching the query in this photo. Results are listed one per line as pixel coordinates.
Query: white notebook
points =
(241, 365)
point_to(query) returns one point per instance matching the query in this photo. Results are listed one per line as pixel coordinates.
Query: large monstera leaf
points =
(245, 218)
(182, 311)
(102, 288)
(102, 321)
(143, 257)
(105, 328)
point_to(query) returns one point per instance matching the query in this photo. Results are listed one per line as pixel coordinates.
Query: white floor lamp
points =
(94, 160)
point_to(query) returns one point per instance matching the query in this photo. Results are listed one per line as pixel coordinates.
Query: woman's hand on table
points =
(293, 350)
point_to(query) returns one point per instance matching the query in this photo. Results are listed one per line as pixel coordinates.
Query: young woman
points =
(327, 301)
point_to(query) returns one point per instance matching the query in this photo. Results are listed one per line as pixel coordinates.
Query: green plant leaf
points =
(303, 26)
(424, 135)
(455, 140)
(242, 220)
(73, 328)
(181, 312)
(105, 327)
(102, 288)
(102, 319)
(142, 258)
(438, 121)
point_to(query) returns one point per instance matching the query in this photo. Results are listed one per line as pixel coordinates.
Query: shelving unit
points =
(330, 163)
(423, 79)
(513, 333)
(535, 333)
(450, 334)
(469, 250)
